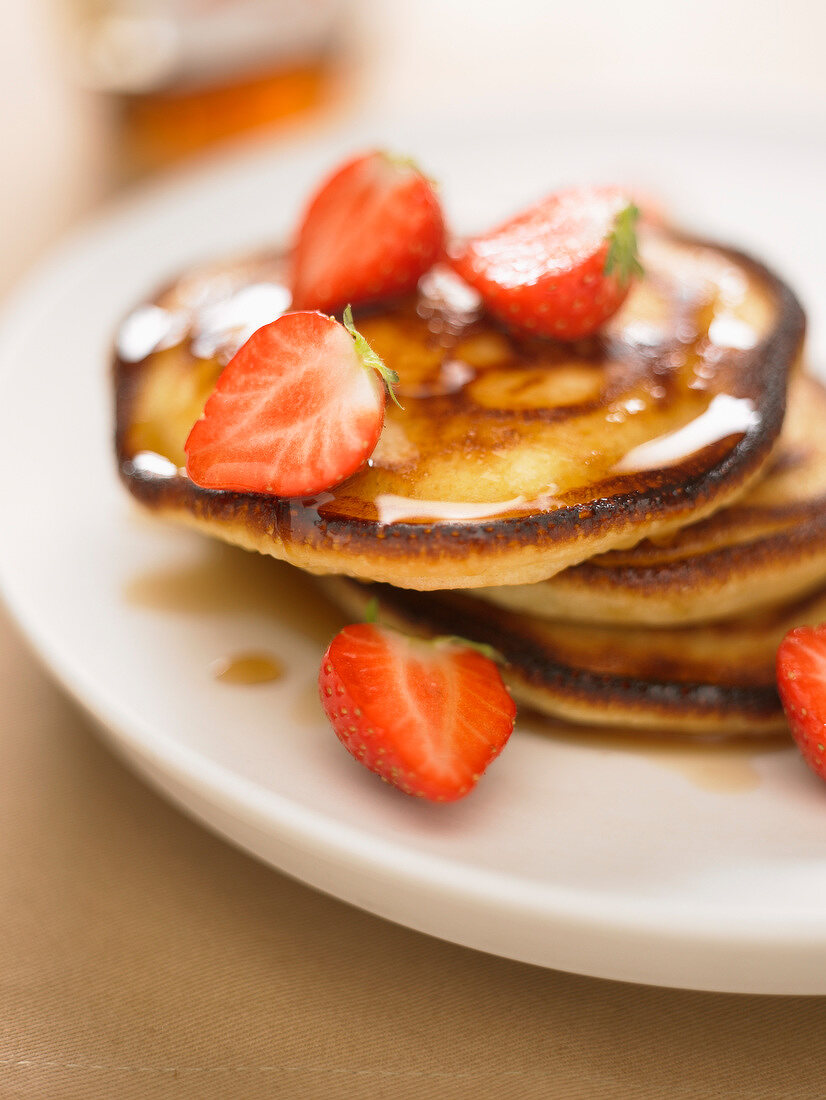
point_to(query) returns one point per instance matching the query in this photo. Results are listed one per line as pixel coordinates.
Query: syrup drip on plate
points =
(721, 766)
(223, 580)
(248, 668)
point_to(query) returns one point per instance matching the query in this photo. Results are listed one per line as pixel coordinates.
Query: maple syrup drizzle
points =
(722, 766)
(223, 580)
(248, 668)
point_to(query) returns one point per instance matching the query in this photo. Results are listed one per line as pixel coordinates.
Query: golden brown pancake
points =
(713, 680)
(514, 457)
(766, 548)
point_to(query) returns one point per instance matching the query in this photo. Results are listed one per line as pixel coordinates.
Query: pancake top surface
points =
(514, 456)
(768, 546)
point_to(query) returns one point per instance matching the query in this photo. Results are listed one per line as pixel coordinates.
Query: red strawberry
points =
(426, 716)
(371, 231)
(801, 681)
(561, 268)
(298, 409)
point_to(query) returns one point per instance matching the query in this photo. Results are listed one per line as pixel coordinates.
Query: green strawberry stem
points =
(622, 246)
(369, 358)
(398, 160)
(480, 647)
(372, 611)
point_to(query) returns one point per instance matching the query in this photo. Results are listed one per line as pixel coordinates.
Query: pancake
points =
(716, 680)
(766, 548)
(514, 457)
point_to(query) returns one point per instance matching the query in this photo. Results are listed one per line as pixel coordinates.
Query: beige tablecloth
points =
(142, 957)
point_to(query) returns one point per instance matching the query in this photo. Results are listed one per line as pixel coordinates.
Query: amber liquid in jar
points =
(185, 75)
(165, 126)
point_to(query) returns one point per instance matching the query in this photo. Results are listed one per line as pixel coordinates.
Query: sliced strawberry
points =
(297, 410)
(561, 268)
(426, 716)
(370, 232)
(801, 681)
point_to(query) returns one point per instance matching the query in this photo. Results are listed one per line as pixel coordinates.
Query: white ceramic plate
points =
(687, 868)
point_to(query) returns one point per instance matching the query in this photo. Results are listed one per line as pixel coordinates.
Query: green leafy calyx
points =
(399, 160)
(480, 647)
(622, 246)
(369, 358)
(372, 611)
(407, 164)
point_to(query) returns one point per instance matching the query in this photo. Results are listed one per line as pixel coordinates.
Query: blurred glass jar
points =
(187, 74)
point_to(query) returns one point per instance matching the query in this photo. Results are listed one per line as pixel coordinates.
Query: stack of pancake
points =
(634, 521)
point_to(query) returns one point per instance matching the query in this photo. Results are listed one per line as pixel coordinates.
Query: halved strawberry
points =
(562, 267)
(298, 409)
(427, 716)
(801, 681)
(370, 232)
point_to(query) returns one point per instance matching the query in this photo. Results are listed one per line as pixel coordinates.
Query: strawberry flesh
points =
(801, 681)
(370, 232)
(294, 412)
(426, 716)
(544, 270)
